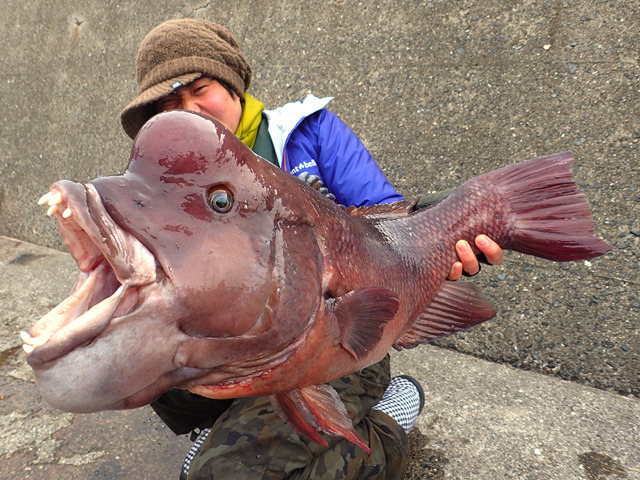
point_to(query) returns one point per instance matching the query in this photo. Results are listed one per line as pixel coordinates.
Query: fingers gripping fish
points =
(204, 267)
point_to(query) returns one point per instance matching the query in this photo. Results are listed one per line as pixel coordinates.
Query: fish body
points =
(205, 267)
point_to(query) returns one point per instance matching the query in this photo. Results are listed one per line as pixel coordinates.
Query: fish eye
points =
(220, 200)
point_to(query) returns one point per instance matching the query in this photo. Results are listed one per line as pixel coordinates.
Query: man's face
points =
(206, 96)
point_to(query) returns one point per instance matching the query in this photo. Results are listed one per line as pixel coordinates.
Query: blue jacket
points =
(309, 138)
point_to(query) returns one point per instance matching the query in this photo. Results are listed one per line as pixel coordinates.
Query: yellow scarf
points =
(250, 121)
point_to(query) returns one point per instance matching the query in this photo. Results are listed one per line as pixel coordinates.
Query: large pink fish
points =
(205, 267)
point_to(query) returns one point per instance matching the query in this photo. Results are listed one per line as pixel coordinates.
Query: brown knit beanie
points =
(183, 51)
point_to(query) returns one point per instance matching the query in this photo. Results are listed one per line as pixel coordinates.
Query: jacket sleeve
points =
(346, 167)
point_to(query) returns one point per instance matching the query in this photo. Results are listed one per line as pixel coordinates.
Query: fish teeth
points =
(26, 338)
(55, 199)
(45, 198)
(29, 340)
(28, 345)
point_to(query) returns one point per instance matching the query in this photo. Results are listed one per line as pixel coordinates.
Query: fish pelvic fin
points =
(313, 408)
(361, 315)
(457, 306)
(550, 217)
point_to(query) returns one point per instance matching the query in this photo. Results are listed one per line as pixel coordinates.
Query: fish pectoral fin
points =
(456, 306)
(313, 408)
(361, 315)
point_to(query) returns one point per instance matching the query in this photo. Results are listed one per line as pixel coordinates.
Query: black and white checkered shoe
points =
(403, 400)
(202, 436)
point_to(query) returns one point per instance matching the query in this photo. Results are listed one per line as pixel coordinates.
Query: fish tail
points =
(549, 217)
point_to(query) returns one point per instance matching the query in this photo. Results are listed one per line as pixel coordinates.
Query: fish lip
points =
(114, 273)
(66, 328)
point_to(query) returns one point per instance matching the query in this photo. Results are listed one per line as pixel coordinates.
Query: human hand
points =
(468, 260)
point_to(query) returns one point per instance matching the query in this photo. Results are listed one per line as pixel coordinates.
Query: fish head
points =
(187, 262)
(197, 198)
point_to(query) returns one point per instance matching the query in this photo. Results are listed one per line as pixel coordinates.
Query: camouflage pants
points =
(250, 441)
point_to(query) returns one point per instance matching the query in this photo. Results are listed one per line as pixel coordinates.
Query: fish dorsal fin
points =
(313, 408)
(456, 306)
(400, 208)
(361, 315)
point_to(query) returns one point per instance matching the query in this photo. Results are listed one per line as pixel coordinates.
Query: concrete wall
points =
(439, 91)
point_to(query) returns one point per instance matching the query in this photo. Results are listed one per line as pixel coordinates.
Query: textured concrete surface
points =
(486, 421)
(439, 91)
(481, 420)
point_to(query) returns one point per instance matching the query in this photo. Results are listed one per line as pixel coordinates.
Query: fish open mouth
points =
(114, 266)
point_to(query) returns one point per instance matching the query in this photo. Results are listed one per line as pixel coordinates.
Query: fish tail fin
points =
(549, 217)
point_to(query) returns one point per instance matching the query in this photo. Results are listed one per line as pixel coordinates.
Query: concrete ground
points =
(481, 421)
(439, 91)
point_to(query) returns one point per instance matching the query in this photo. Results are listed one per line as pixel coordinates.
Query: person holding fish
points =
(197, 65)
